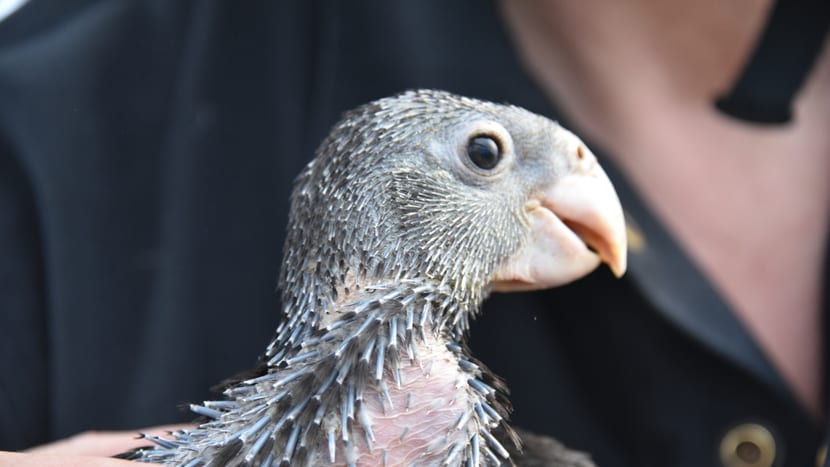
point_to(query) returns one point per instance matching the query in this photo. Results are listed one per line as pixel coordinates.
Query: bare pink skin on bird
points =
(431, 398)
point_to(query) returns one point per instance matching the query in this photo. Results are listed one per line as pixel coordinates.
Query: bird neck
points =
(404, 308)
(393, 350)
(385, 376)
(316, 298)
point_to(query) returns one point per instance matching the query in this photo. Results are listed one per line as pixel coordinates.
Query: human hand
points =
(90, 448)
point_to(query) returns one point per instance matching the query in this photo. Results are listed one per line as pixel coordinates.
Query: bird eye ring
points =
(484, 151)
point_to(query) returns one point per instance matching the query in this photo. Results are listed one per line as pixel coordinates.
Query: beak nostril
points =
(580, 153)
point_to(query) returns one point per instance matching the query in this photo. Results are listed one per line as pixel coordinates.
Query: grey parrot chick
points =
(416, 207)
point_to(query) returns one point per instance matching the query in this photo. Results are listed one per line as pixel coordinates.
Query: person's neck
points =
(690, 51)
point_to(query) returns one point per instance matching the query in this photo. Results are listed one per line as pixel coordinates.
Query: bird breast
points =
(416, 423)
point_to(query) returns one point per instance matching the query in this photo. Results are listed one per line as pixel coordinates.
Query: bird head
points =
(432, 186)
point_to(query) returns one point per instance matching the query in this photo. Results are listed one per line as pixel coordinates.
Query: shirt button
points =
(821, 455)
(747, 445)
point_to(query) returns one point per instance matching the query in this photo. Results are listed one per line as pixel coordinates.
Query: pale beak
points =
(589, 206)
(575, 224)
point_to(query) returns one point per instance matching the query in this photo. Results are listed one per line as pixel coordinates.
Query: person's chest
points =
(751, 206)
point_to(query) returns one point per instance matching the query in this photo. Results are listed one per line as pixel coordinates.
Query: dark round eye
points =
(484, 152)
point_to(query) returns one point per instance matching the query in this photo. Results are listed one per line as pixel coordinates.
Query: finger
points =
(104, 443)
(19, 459)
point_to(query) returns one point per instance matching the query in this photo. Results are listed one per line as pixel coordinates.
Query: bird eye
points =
(484, 152)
